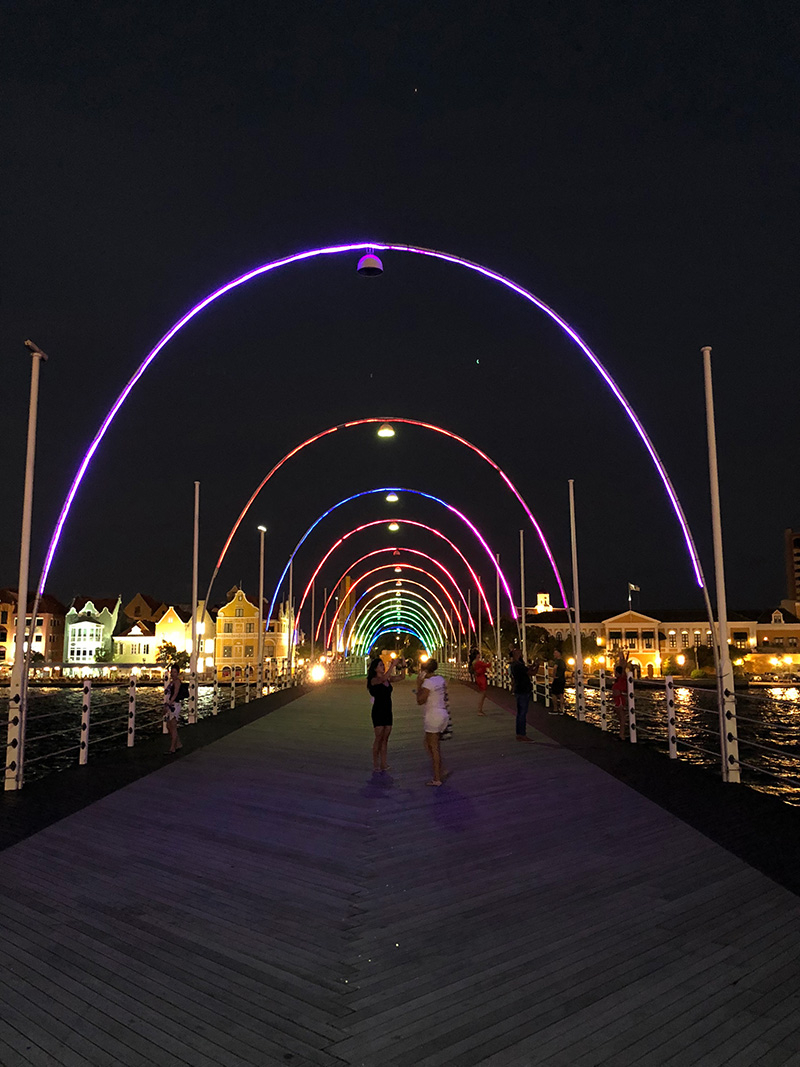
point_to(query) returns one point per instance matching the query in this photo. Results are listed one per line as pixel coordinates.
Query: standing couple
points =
(431, 693)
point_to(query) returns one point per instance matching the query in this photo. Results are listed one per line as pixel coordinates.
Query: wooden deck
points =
(266, 900)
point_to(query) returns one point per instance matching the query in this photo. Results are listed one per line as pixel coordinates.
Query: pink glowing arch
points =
(384, 600)
(383, 522)
(383, 247)
(413, 552)
(389, 566)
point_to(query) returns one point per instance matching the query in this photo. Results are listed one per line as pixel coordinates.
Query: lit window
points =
(227, 627)
(249, 627)
(239, 613)
(684, 638)
(227, 652)
(248, 650)
(791, 642)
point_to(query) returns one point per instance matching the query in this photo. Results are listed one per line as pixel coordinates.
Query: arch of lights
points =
(432, 635)
(387, 598)
(401, 581)
(385, 613)
(446, 257)
(396, 551)
(397, 630)
(396, 489)
(384, 593)
(378, 618)
(366, 526)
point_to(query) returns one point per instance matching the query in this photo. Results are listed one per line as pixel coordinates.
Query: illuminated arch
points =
(366, 526)
(396, 549)
(396, 489)
(388, 595)
(396, 630)
(389, 566)
(383, 247)
(386, 618)
(418, 612)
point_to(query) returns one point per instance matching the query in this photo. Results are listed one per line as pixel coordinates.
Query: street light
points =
(393, 526)
(261, 530)
(392, 498)
(386, 430)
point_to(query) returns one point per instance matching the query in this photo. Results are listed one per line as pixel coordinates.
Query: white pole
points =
(193, 659)
(580, 699)
(497, 617)
(729, 745)
(260, 675)
(325, 620)
(290, 611)
(18, 696)
(313, 615)
(480, 620)
(522, 593)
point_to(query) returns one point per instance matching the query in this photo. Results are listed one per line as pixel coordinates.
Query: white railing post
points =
(631, 710)
(85, 714)
(580, 695)
(131, 710)
(603, 699)
(672, 732)
(546, 684)
(233, 691)
(215, 703)
(247, 685)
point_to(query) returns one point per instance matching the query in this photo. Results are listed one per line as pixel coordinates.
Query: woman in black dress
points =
(380, 689)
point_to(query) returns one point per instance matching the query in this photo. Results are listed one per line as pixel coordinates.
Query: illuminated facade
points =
(759, 641)
(237, 635)
(48, 630)
(175, 628)
(88, 631)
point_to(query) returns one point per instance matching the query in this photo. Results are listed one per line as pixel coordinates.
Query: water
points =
(54, 721)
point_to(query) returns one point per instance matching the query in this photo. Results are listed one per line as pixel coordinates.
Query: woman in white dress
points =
(432, 695)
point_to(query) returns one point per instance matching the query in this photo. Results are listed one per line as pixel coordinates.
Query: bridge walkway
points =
(268, 900)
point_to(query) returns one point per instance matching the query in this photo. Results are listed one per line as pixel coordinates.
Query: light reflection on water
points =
(765, 717)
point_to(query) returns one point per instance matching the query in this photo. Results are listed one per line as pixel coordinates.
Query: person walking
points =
(559, 684)
(479, 668)
(172, 708)
(620, 691)
(432, 695)
(523, 687)
(380, 689)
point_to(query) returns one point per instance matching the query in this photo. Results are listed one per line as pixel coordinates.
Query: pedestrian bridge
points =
(266, 899)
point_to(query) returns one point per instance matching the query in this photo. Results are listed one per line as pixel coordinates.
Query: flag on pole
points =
(633, 588)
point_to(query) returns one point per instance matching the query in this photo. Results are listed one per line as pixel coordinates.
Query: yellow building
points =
(175, 627)
(237, 635)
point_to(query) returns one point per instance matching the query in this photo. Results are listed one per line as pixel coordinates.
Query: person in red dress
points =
(479, 668)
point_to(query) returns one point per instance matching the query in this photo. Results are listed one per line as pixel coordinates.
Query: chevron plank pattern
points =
(267, 900)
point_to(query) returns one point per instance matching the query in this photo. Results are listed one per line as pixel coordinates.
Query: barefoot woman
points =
(432, 693)
(380, 689)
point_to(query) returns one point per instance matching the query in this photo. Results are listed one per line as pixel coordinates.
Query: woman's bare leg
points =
(432, 745)
(480, 703)
(172, 726)
(384, 748)
(376, 748)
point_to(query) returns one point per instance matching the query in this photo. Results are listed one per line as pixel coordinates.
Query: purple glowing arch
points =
(379, 247)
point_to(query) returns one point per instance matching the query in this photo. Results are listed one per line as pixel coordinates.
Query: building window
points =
(4, 618)
(2, 653)
(227, 627)
(777, 618)
(39, 622)
(673, 639)
(239, 613)
(709, 639)
(38, 637)
(145, 649)
(226, 652)
(791, 642)
(740, 638)
(248, 651)
(631, 638)
(778, 642)
(684, 638)
(269, 651)
(615, 636)
(697, 636)
(249, 627)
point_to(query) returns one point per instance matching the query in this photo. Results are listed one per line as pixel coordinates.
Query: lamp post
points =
(261, 531)
(18, 698)
(193, 657)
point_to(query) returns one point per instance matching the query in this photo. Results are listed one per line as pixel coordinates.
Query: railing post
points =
(631, 710)
(247, 685)
(580, 696)
(603, 699)
(132, 710)
(85, 714)
(233, 691)
(215, 704)
(546, 684)
(669, 700)
(192, 717)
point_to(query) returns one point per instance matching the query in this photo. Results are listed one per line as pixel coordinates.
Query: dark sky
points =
(635, 165)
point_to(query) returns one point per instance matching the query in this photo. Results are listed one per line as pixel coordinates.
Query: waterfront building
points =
(792, 550)
(48, 628)
(237, 635)
(136, 643)
(89, 629)
(144, 608)
(760, 641)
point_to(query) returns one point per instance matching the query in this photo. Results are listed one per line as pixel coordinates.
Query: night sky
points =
(634, 165)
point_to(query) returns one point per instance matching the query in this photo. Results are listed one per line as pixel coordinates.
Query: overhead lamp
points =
(393, 526)
(392, 498)
(370, 265)
(263, 529)
(398, 594)
(398, 570)
(386, 430)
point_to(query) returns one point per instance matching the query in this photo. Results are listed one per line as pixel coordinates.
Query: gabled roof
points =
(766, 616)
(47, 604)
(145, 628)
(183, 613)
(80, 602)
